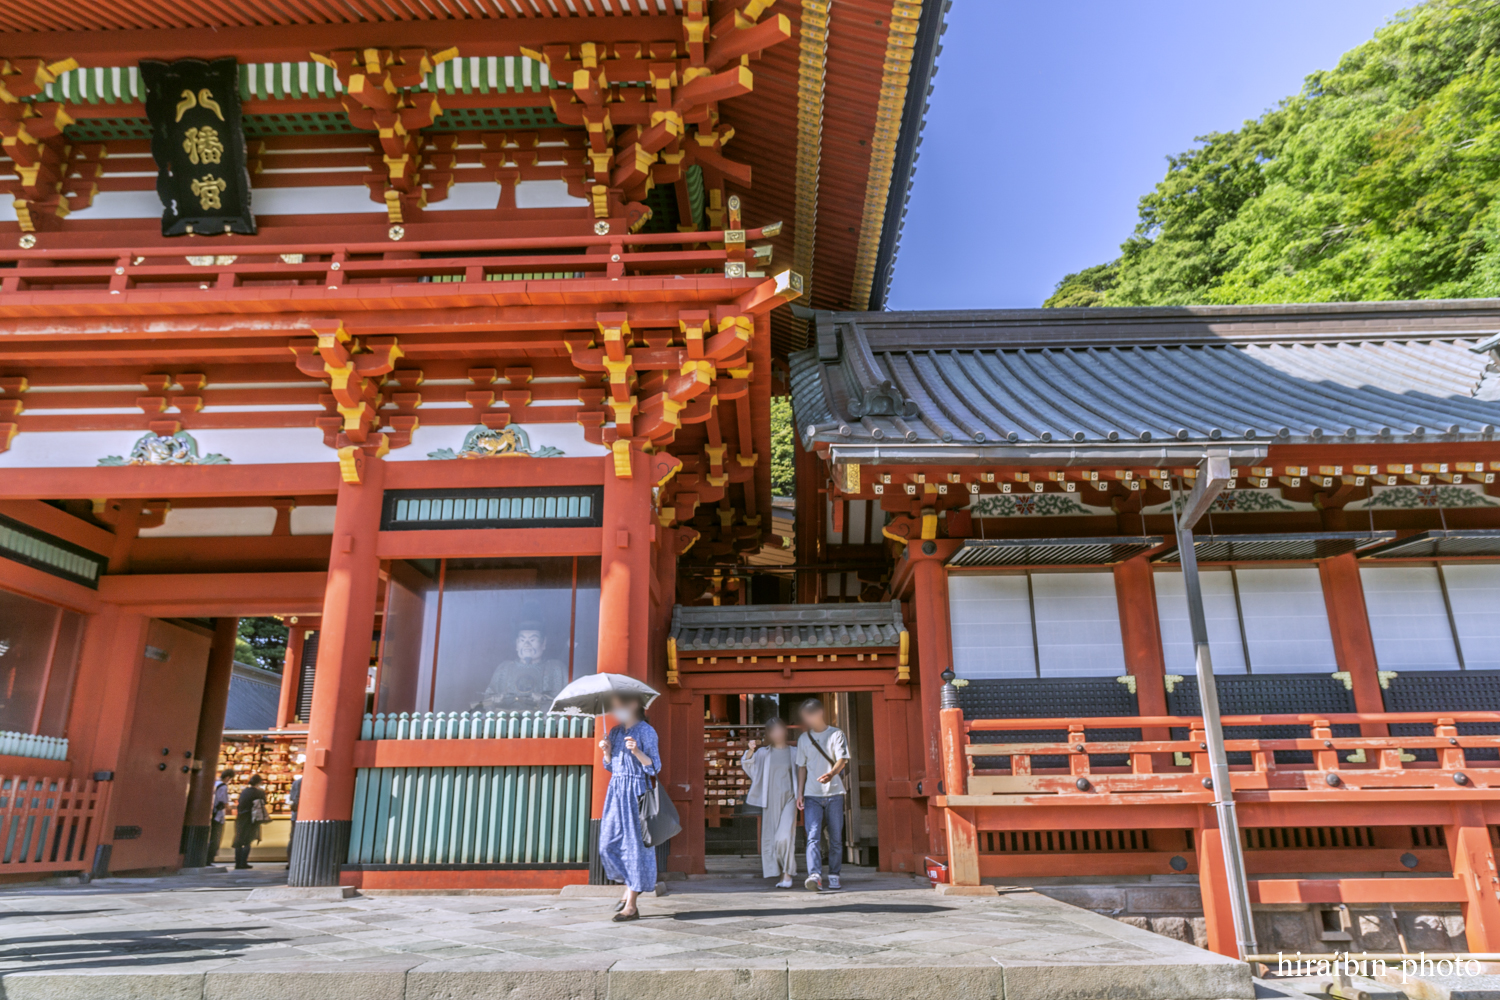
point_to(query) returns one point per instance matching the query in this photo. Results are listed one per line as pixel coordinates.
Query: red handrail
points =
(1191, 721)
(225, 245)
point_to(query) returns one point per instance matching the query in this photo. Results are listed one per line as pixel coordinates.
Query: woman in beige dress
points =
(773, 787)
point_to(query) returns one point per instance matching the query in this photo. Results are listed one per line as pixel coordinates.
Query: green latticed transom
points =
(324, 123)
(471, 75)
(493, 119)
(108, 129)
(314, 123)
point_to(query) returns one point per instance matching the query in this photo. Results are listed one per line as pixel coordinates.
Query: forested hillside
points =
(1378, 181)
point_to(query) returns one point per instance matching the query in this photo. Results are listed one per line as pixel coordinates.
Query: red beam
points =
(498, 472)
(214, 594)
(31, 767)
(1358, 890)
(56, 522)
(474, 753)
(46, 587)
(811, 678)
(122, 482)
(489, 543)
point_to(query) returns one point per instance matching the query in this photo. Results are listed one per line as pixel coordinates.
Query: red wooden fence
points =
(49, 824)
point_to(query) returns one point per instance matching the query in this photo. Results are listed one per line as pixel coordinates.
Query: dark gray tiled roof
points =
(999, 383)
(254, 696)
(772, 628)
(1052, 551)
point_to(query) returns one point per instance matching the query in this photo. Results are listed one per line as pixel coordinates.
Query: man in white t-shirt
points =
(822, 755)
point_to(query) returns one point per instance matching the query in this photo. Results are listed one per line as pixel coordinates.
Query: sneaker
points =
(785, 883)
(813, 883)
(833, 882)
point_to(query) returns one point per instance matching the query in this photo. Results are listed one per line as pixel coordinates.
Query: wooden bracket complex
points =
(352, 370)
(643, 136)
(381, 95)
(54, 177)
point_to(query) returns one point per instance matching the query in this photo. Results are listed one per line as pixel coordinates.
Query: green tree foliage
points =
(261, 643)
(783, 463)
(1378, 181)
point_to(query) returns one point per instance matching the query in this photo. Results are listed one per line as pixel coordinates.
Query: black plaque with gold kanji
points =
(199, 146)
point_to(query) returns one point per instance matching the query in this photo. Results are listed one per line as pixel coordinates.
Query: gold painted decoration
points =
(165, 449)
(202, 178)
(511, 441)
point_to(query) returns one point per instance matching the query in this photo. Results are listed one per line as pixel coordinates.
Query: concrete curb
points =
(579, 980)
(944, 889)
(602, 891)
(322, 893)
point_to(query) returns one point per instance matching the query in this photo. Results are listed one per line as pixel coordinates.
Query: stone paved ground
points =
(884, 938)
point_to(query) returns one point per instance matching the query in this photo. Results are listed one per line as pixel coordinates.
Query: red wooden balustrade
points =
(1165, 787)
(337, 264)
(49, 824)
(1383, 765)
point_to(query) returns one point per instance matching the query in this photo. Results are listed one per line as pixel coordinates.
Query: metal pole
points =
(1213, 474)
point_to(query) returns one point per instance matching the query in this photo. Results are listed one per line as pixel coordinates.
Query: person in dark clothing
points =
(220, 809)
(250, 813)
(293, 797)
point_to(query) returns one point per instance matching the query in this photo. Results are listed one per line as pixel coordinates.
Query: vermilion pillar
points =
(291, 676)
(1353, 643)
(929, 603)
(321, 839)
(625, 575)
(199, 813)
(1140, 632)
(625, 571)
(1140, 629)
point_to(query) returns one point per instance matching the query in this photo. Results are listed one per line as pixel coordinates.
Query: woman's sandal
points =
(621, 918)
(620, 906)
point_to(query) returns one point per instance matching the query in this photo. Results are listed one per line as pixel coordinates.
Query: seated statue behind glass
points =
(531, 680)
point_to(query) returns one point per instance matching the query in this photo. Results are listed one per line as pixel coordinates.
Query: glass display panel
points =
(990, 618)
(1474, 593)
(500, 635)
(406, 596)
(1286, 621)
(1224, 641)
(1077, 625)
(1408, 618)
(38, 656)
(54, 715)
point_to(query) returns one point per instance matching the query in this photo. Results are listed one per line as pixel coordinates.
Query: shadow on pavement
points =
(789, 911)
(71, 952)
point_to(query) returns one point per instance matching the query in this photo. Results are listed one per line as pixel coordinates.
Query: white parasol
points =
(590, 695)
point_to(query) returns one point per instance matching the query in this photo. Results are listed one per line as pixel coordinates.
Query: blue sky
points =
(1050, 120)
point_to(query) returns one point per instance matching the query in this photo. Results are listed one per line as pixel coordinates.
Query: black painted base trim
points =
(195, 846)
(101, 861)
(319, 847)
(569, 867)
(596, 866)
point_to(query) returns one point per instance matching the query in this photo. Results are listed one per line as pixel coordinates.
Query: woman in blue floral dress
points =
(632, 759)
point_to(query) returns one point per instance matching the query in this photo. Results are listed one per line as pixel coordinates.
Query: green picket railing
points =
(475, 726)
(536, 815)
(471, 815)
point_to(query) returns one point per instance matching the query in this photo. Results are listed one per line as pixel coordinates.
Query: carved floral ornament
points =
(510, 441)
(165, 449)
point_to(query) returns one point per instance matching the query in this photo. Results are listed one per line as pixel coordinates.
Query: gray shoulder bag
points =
(659, 819)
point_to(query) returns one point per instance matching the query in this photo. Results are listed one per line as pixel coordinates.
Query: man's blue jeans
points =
(819, 811)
